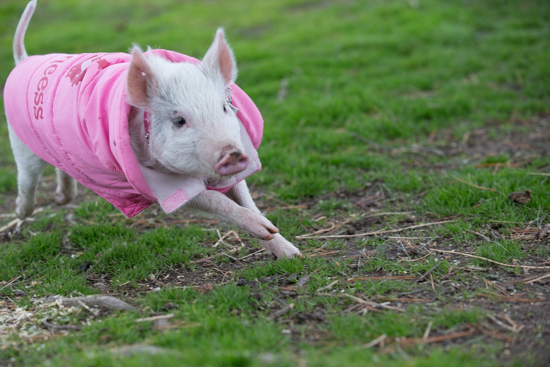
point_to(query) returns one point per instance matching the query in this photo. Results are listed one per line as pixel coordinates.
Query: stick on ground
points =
(489, 260)
(379, 232)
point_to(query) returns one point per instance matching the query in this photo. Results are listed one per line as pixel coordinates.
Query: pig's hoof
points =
(62, 199)
(23, 208)
(64, 195)
(280, 247)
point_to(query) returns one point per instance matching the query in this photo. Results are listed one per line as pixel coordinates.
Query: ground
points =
(395, 133)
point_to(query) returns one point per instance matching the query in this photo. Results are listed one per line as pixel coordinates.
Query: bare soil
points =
(521, 310)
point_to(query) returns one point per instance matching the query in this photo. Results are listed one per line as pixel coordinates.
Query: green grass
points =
(379, 94)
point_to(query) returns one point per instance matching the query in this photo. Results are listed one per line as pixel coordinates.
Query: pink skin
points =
(232, 162)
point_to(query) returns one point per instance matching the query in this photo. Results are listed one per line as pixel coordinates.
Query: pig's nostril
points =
(244, 161)
(232, 163)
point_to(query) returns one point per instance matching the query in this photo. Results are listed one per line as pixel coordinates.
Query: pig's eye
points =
(179, 121)
(224, 109)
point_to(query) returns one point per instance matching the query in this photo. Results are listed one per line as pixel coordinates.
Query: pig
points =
(139, 128)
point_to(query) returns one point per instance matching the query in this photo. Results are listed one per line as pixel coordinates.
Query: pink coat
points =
(72, 111)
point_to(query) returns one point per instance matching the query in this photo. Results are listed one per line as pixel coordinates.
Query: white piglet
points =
(138, 129)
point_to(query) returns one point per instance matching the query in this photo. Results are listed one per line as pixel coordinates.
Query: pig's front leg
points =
(277, 246)
(216, 203)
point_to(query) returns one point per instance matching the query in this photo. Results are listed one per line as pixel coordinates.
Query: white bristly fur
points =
(169, 91)
(182, 89)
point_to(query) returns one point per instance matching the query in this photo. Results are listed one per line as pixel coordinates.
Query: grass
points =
(434, 111)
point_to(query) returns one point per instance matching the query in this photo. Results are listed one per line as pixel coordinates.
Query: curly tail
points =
(19, 52)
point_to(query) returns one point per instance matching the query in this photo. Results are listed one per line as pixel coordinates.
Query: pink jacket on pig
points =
(71, 110)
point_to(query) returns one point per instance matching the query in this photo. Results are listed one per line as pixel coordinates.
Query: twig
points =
(333, 228)
(323, 230)
(19, 222)
(373, 304)
(427, 332)
(538, 174)
(221, 238)
(379, 340)
(155, 318)
(389, 277)
(429, 272)
(512, 299)
(481, 235)
(414, 260)
(432, 281)
(411, 342)
(213, 256)
(438, 338)
(404, 299)
(409, 238)
(380, 232)
(491, 261)
(537, 279)
(203, 259)
(497, 287)
(323, 254)
(476, 186)
(252, 254)
(403, 248)
(231, 257)
(513, 323)
(503, 325)
(10, 282)
(493, 333)
(10, 224)
(328, 286)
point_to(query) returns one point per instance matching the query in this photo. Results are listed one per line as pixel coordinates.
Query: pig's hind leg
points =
(277, 246)
(29, 169)
(66, 188)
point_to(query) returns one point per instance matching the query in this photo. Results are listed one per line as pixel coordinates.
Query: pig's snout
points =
(232, 162)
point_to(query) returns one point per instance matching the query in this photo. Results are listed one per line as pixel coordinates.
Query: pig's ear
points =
(140, 79)
(219, 62)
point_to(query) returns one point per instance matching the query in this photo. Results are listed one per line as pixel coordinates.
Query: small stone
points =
(19, 293)
(291, 279)
(85, 266)
(520, 197)
(241, 282)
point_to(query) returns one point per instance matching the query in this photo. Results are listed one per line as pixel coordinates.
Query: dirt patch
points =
(520, 141)
(517, 301)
